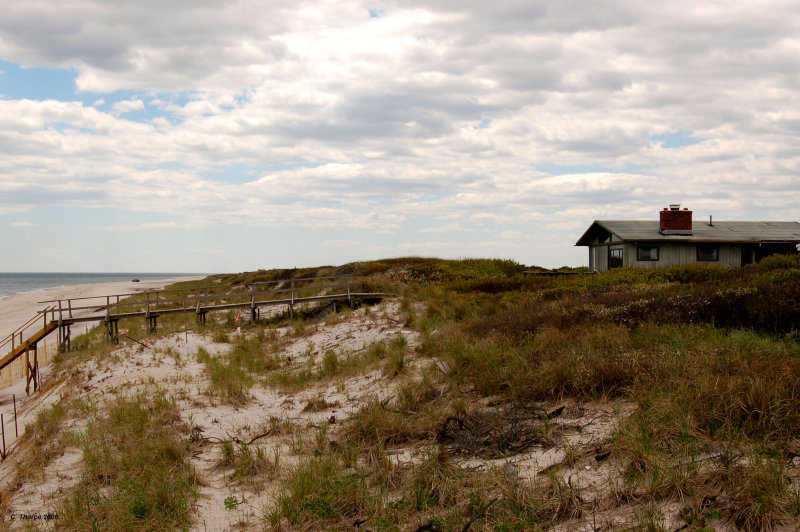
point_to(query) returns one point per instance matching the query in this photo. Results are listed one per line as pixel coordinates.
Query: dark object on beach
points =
(134, 280)
(603, 456)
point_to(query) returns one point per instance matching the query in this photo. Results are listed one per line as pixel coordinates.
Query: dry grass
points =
(136, 473)
(701, 352)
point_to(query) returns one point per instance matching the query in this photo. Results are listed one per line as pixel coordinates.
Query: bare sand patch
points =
(276, 427)
(169, 363)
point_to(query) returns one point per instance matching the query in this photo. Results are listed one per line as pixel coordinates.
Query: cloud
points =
(141, 227)
(343, 243)
(126, 106)
(23, 224)
(510, 234)
(446, 228)
(515, 120)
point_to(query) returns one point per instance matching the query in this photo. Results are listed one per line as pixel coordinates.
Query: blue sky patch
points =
(40, 83)
(677, 139)
(17, 83)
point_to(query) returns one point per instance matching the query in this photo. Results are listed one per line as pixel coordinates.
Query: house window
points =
(614, 258)
(707, 253)
(647, 253)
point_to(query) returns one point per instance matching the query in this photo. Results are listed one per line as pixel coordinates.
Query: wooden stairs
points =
(27, 347)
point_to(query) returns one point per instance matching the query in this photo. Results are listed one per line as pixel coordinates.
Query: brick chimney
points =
(675, 221)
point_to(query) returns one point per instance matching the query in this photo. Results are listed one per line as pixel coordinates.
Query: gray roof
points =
(734, 232)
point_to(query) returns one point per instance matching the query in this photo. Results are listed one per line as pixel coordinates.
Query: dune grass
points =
(708, 357)
(136, 473)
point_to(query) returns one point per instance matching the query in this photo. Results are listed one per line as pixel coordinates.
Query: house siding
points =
(669, 254)
(680, 253)
(601, 254)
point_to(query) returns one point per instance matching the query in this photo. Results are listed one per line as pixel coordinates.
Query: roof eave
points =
(585, 239)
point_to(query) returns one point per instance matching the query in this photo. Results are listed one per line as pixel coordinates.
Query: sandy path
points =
(19, 308)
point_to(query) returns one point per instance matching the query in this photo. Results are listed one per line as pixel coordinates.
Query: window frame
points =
(639, 253)
(701, 246)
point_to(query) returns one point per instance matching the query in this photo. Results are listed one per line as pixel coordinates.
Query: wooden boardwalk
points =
(151, 305)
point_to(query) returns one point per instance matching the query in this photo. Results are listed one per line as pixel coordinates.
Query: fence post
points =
(253, 303)
(291, 306)
(16, 428)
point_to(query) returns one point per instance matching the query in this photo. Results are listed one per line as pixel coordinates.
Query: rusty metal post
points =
(16, 428)
(3, 424)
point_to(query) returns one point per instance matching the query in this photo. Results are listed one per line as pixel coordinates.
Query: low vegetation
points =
(136, 474)
(700, 365)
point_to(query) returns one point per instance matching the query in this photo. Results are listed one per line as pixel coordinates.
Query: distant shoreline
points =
(14, 283)
(16, 309)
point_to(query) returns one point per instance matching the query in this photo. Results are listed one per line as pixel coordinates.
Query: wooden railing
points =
(158, 302)
(16, 338)
(63, 313)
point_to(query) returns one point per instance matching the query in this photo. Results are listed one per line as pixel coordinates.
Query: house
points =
(676, 239)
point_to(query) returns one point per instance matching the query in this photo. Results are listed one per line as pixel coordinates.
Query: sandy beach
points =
(19, 308)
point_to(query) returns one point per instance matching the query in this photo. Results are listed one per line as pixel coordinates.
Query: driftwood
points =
(137, 341)
(231, 439)
(480, 514)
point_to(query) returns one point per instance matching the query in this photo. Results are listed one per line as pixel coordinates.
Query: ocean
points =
(16, 283)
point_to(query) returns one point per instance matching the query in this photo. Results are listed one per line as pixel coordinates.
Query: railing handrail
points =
(196, 289)
(104, 303)
(22, 328)
(192, 298)
(342, 276)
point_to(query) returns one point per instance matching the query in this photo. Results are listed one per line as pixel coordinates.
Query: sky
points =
(226, 136)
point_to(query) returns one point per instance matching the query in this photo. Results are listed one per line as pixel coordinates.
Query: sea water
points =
(16, 283)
